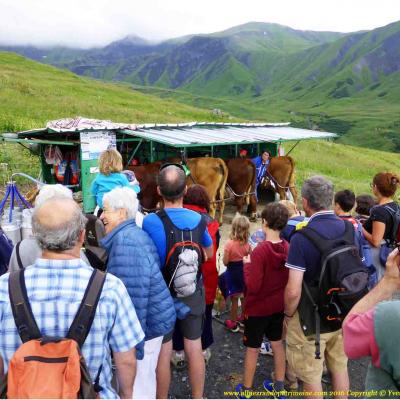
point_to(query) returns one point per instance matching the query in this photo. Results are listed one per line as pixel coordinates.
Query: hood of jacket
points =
(279, 251)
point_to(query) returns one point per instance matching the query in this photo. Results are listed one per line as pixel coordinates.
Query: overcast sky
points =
(87, 23)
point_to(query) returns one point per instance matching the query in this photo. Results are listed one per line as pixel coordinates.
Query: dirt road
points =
(225, 368)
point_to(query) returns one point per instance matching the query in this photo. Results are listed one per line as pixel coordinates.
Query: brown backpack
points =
(50, 367)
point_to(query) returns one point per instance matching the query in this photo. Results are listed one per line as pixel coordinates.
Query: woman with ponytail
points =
(379, 227)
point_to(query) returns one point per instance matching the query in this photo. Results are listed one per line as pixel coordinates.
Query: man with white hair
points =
(133, 257)
(28, 249)
(55, 286)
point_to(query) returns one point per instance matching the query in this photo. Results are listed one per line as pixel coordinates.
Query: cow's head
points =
(267, 183)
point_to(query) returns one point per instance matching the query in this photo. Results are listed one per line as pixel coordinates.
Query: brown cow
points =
(147, 177)
(242, 181)
(212, 173)
(207, 171)
(282, 171)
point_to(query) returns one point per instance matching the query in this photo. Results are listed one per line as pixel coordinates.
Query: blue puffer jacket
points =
(133, 258)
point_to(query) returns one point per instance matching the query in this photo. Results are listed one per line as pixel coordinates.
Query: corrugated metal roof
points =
(203, 133)
(80, 124)
(219, 135)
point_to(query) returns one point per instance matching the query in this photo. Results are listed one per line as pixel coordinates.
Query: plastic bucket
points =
(26, 231)
(12, 231)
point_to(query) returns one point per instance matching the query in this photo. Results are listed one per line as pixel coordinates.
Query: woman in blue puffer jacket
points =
(132, 257)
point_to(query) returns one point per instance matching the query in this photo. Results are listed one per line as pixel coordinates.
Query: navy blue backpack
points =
(6, 248)
(367, 257)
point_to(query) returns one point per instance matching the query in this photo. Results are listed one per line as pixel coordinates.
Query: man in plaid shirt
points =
(56, 284)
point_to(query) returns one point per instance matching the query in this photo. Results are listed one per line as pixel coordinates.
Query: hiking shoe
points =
(232, 325)
(240, 320)
(241, 392)
(266, 348)
(178, 359)
(207, 355)
(269, 387)
(289, 384)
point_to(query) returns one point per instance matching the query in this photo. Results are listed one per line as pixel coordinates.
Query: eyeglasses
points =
(180, 166)
(371, 185)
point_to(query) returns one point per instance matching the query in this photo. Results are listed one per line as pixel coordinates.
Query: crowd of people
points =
(154, 303)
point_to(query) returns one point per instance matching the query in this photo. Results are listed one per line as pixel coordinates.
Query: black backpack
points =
(343, 280)
(395, 233)
(95, 231)
(177, 241)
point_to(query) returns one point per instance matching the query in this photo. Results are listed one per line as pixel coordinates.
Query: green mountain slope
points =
(229, 63)
(240, 53)
(349, 84)
(255, 36)
(33, 93)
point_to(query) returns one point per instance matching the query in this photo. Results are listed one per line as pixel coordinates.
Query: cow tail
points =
(224, 173)
(292, 175)
(252, 186)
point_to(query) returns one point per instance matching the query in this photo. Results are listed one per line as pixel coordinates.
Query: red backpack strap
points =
(184, 243)
(24, 320)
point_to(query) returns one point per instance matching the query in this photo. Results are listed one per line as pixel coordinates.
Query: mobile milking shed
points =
(79, 142)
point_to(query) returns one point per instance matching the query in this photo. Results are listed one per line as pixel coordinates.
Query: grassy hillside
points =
(275, 36)
(344, 83)
(349, 167)
(348, 84)
(33, 93)
(366, 119)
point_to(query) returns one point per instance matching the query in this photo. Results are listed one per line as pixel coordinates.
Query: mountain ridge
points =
(329, 80)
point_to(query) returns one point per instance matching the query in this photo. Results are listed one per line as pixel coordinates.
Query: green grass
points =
(32, 93)
(363, 120)
(348, 167)
(15, 158)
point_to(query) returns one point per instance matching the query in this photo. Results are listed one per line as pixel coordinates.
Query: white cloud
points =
(87, 23)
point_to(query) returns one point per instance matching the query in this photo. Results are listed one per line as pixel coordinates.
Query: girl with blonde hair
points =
(110, 176)
(235, 249)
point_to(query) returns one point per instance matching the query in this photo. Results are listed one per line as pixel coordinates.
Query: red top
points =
(235, 250)
(265, 278)
(209, 268)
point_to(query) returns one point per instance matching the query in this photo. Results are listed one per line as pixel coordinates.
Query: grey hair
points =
(122, 198)
(62, 237)
(318, 191)
(49, 191)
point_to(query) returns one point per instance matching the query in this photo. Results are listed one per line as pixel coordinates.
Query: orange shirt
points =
(236, 251)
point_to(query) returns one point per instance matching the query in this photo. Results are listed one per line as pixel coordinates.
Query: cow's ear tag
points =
(186, 169)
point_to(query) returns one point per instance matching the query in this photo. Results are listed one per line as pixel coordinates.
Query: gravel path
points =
(225, 367)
